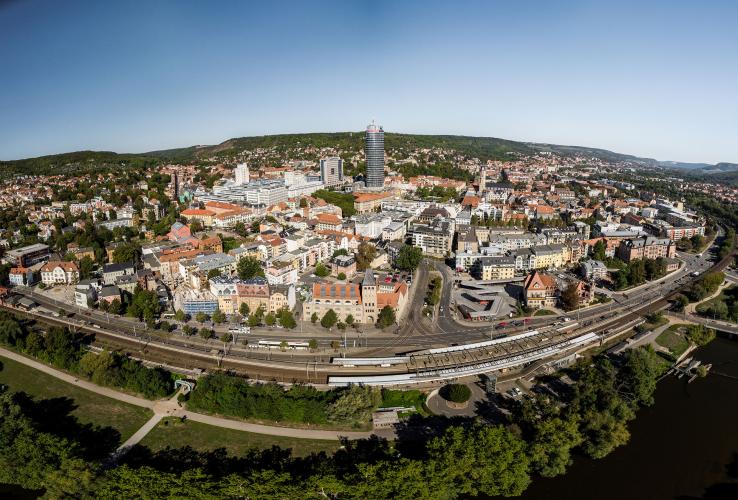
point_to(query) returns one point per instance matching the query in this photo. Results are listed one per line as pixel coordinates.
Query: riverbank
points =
(679, 448)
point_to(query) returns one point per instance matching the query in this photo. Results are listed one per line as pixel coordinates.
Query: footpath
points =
(172, 408)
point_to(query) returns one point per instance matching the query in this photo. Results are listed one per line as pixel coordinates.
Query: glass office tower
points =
(374, 151)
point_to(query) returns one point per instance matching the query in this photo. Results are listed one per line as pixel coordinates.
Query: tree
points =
(195, 225)
(700, 335)
(335, 344)
(456, 393)
(341, 276)
(86, 265)
(165, 326)
(481, 460)
(365, 254)
(126, 252)
(329, 319)
(206, 333)
(201, 317)
(214, 273)
(314, 318)
(621, 279)
(340, 251)
(355, 405)
(680, 302)
(321, 270)
(312, 344)
(219, 317)
(283, 345)
(598, 251)
(239, 228)
(570, 297)
(144, 304)
(386, 317)
(180, 316)
(639, 374)
(249, 268)
(409, 258)
(286, 318)
(226, 337)
(350, 320)
(604, 414)
(551, 444)
(243, 309)
(270, 319)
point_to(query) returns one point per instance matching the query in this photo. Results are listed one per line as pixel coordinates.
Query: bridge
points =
(723, 326)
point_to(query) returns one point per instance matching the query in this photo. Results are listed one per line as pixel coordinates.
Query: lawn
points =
(409, 399)
(543, 312)
(173, 433)
(231, 243)
(89, 407)
(673, 340)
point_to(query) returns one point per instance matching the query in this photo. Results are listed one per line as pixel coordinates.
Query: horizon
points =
(654, 81)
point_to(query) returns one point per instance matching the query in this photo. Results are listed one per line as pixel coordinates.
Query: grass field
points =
(543, 312)
(672, 340)
(89, 407)
(173, 433)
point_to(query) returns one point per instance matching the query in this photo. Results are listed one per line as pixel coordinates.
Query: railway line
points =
(318, 368)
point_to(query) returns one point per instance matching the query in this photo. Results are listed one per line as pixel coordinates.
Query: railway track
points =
(257, 367)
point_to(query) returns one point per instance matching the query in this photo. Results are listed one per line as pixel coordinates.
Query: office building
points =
(242, 174)
(331, 171)
(27, 256)
(374, 152)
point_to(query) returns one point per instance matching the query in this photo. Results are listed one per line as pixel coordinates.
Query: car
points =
(515, 392)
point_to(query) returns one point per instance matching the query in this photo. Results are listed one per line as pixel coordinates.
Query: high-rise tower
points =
(242, 174)
(374, 152)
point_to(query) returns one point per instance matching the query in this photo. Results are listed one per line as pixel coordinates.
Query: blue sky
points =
(656, 78)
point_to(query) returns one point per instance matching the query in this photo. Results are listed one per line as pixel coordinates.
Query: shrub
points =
(456, 393)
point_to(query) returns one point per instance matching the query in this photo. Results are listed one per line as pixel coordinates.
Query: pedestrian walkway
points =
(691, 308)
(171, 407)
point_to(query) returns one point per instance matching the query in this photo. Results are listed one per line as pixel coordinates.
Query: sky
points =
(656, 79)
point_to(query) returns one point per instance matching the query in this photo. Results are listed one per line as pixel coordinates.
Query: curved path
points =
(170, 407)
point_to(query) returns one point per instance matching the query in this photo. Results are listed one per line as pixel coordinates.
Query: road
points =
(415, 331)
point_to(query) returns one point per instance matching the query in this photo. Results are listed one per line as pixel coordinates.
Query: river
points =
(683, 447)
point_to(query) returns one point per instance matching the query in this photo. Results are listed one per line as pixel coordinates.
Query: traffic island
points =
(456, 396)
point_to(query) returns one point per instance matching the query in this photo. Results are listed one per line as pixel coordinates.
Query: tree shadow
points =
(54, 416)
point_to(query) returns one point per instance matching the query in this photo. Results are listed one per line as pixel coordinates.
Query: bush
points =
(456, 393)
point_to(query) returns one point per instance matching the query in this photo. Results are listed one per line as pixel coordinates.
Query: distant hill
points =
(721, 167)
(484, 148)
(683, 166)
(78, 161)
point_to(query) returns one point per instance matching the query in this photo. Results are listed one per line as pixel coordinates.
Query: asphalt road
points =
(415, 331)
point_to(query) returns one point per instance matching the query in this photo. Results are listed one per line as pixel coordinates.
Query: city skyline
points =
(636, 79)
